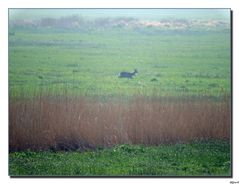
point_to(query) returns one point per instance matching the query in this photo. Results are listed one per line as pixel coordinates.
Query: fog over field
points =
(166, 50)
(152, 14)
(163, 18)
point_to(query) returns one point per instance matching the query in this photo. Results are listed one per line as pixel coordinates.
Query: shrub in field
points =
(68, 123)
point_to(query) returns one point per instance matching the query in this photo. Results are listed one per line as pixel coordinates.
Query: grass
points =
(211, 158)
(88, 63)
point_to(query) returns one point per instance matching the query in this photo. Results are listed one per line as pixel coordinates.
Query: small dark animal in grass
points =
(153, 80)
(75, 71)
(127, 74)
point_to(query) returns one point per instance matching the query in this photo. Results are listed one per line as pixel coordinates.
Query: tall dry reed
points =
(79, 123)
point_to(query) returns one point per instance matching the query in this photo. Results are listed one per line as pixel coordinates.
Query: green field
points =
(170, 63)
(194, 159)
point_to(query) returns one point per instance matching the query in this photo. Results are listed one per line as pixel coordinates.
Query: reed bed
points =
(67, 123)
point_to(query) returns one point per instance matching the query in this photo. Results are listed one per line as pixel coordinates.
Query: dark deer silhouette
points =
(127, 74)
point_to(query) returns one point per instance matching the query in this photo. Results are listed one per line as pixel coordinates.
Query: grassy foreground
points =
(211, 158)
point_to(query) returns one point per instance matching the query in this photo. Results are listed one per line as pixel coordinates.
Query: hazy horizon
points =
(147, 14)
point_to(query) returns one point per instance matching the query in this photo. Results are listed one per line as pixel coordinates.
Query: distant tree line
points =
(73, 22)
(78, 22)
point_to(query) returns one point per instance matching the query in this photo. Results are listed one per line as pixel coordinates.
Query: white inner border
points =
(5, 4)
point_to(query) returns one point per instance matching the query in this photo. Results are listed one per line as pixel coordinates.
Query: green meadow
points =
(194, 159)
(169, 63)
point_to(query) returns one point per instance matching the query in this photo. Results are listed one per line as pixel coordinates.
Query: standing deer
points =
(127, 74)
